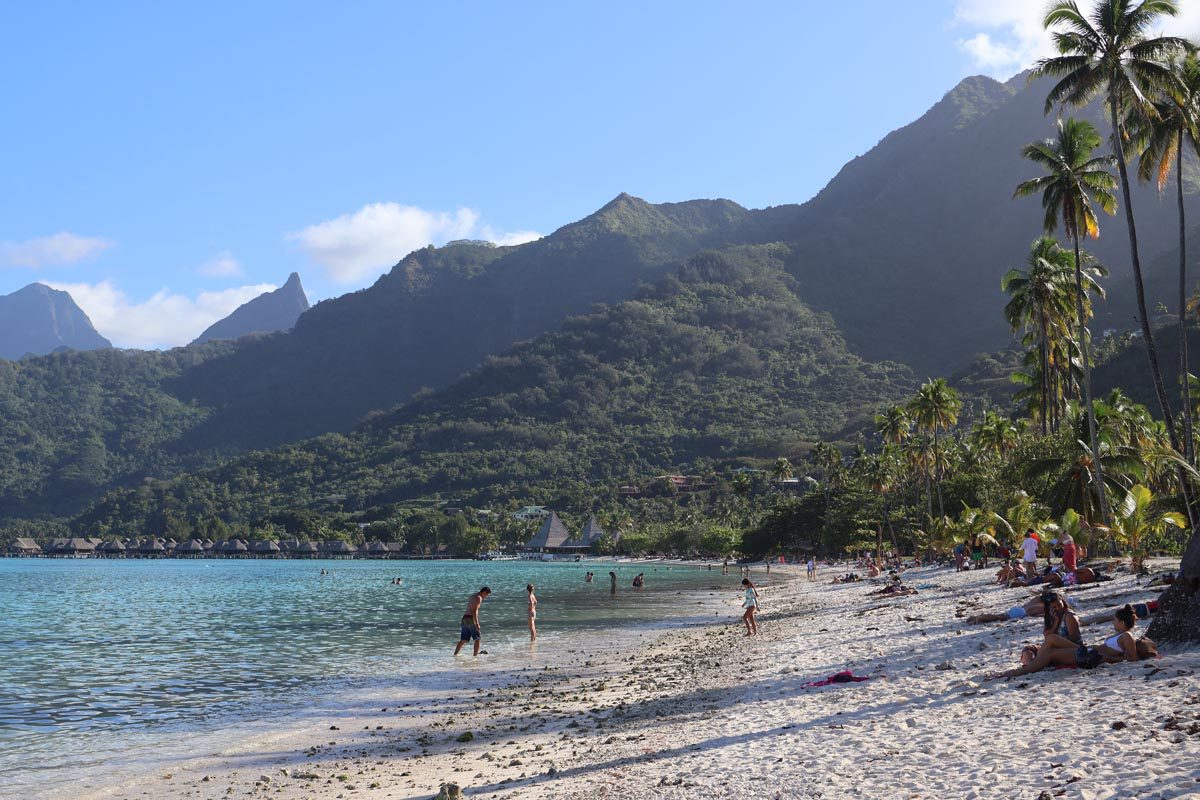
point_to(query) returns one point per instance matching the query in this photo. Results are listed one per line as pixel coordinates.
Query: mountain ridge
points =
(38, 319)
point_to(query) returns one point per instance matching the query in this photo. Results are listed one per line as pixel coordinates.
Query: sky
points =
(166, 162)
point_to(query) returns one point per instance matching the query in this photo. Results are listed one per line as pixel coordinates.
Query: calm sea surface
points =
(109, 663)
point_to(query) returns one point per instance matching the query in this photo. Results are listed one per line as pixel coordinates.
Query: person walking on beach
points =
(811, 568)
(471, 630)
(532, 612)
(612, 576)
(750, 603)
(1029, 549)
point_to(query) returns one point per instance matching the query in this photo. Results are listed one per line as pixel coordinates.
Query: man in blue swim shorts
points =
(471, 630)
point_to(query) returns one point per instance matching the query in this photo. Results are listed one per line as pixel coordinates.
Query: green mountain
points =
(718, 361)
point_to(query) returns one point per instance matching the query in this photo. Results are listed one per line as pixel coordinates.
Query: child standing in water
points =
(532, 612)
(750, 603)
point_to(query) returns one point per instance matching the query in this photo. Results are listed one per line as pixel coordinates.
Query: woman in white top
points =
(750, 603)
(1121, 646)
(532, 613)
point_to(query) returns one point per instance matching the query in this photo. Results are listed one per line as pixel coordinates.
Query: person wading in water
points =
(471, 630)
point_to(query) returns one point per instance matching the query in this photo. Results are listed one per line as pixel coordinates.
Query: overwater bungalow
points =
(336, 548)
(152, 548)
(113, 548)
(192, 548)
(378, 549)
(587, 540)
(233, 548)
(305, 549)
(76, 547)
(24, 547)
(265, 548)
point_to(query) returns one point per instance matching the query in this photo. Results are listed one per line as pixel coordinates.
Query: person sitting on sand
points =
(1060, 626)
(1121, 646)
(1009, 572)
(872, 570)
(750, 604)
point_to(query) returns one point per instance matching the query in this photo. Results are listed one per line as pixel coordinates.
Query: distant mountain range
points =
(903, 250)
(268, 313)
(38, 320)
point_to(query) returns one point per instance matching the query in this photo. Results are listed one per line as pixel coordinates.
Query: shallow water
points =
(115, 662)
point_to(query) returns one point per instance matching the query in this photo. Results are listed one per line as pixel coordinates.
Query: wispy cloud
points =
(1003, 37)
(357, 246)
(48, 251)
(223, 265)
(166, 319)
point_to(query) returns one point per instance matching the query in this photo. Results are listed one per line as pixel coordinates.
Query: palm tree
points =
(1136, 520)
(881, 473)
(1109, 52)
(1075, 179)
(1175, 121)
(1040, 300)
(994, 434)
(936, 408)
(782, 470)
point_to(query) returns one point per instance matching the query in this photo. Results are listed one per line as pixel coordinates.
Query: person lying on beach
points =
(1121, 646)
(849, 577)
(1035, 607)
(1143, 610)
(1057, 577)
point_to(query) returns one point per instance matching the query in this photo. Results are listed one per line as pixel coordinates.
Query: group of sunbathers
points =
(1062, 637)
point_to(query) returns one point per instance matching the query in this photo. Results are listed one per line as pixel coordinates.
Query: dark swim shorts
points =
(1088, 658)
(469, 633)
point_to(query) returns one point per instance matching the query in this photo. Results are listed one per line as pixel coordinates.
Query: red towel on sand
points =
(845, 676)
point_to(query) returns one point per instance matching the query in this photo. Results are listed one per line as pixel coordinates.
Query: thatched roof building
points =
(24, 546)
(551, 537)
(265, 548)
(192, 548)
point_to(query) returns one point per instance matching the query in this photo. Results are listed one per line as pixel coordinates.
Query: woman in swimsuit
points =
(532, 612)
(1121, 646)
(750, 603)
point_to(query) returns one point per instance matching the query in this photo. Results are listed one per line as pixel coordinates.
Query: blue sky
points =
(166, 162)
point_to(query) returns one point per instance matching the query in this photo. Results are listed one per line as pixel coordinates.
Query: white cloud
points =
(223, 265)
(1006, 36)
(166, 319)
(61, 248)
(508, 239)
(357, 246)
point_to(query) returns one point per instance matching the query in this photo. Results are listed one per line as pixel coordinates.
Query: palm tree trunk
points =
(1101, 490)
(1188, 446)
(1045, 374)
(928, 490)
(1143, 318)
(937, 466)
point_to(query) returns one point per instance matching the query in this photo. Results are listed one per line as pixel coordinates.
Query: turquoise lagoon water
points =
(105, 664)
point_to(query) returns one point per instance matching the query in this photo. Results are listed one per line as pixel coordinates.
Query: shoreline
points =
(703, 711)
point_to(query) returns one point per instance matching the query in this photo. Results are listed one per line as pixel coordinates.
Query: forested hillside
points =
(718, 361)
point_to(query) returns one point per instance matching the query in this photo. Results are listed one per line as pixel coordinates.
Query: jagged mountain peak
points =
(271, 312)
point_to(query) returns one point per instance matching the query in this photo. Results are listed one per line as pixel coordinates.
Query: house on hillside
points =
(532, 512)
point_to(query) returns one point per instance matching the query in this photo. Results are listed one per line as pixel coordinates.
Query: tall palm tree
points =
(1041, 301)
(1074, 180)
(893, 425)
(1109, 52)
(782, 470)
(936, 408)
(1174, 123)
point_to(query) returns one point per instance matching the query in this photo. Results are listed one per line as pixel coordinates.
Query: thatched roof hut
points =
(152, 548)
(551, 536)
(305, 549)
(336, 548)
(265, 548)
(24, 546)
(192, 548)
(378, 549)
(113, 548)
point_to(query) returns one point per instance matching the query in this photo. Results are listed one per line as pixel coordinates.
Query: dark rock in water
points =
(38, 320)
(267, 313)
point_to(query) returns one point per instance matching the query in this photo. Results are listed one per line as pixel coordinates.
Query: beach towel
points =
(846, 676)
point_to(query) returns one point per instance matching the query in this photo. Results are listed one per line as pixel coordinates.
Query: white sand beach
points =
(706, 712)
